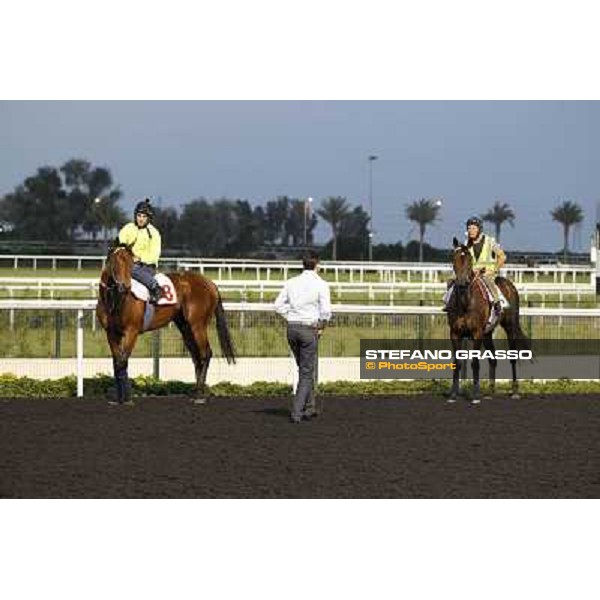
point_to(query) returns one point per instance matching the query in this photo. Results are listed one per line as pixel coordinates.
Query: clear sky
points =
(531, 155)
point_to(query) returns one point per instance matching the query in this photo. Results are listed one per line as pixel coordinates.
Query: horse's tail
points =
(223, 332)
(522, 342)
(512, 324)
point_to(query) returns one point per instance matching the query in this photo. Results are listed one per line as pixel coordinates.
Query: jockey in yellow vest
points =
(488, 258)
(145, 242)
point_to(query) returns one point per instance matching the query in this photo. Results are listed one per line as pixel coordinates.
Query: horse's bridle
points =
(120, 286)
(462, 283)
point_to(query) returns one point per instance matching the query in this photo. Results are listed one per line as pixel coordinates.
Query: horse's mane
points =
(115, 245)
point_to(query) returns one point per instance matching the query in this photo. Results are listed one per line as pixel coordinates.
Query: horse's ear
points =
(455, 243)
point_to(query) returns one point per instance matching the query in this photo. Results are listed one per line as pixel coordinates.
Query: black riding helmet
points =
(475, 220)
(144, 208)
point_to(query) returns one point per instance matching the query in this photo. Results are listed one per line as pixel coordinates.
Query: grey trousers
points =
(144, 274)
(303, 342)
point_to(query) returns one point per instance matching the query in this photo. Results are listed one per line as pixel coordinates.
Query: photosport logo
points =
(435, 359)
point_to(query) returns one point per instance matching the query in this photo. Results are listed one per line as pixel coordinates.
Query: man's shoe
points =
(309, 416)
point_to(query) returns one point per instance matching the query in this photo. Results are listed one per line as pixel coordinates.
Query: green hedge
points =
(24, 387)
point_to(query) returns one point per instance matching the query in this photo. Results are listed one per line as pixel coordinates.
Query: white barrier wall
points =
(244, 372)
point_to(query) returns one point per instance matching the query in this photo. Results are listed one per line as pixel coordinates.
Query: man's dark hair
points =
(310, 259)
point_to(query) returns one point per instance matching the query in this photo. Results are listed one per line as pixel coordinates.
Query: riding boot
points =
(155, 293)
(448, 296)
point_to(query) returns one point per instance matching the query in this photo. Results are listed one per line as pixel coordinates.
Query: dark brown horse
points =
(468, 315)
(121, 314)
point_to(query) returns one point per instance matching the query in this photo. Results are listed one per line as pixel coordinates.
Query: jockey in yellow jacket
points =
(488, 258)
(145, 242)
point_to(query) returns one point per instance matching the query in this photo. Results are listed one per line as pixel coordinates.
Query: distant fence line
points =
(353, 271)
(48, 287)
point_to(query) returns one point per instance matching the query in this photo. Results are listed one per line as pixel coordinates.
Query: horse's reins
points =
(474, 278)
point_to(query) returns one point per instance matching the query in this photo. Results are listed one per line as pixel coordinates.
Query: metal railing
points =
(353, 271)
(59, 328)
(47, 287)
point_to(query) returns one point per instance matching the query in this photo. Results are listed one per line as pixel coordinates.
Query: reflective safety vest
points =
(486, 258)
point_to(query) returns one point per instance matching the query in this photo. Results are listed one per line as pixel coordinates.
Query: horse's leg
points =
(514, 342)
(196, 341)
(488, 344)
(509, 327)
(121, 351)
(517, 339)
(456, 345)
(477, 342)
(514, 394)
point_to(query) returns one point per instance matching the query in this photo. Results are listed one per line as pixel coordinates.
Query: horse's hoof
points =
(451, 399)
(515, 396)
(476, 401)
(198, 401)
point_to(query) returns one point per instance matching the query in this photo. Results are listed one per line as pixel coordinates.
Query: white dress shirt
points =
(304, 299)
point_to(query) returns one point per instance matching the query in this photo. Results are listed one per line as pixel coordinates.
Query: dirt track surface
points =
(400, 447)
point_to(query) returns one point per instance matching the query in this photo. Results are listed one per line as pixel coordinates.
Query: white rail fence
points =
(272, 368)
(385, 272)
(48, 287)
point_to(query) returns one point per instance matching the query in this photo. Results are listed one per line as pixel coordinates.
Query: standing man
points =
(305, 303)
(145, 242)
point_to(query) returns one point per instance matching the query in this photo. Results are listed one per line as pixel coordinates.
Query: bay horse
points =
(468, 315)
(121, 314)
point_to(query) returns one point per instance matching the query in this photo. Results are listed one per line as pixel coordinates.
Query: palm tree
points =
(499, 213)
(334, 210)
(424, 212)
(567, 214)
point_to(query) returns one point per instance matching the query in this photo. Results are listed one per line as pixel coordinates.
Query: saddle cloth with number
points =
(169, 294)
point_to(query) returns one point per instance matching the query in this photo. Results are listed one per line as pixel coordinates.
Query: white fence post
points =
(80, 353)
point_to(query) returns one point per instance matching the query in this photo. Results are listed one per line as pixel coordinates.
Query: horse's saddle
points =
(169, 294)
(503, 301)
(494, 316)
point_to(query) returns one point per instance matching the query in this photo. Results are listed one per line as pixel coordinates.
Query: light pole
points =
(372, 158)
(100, 205)
(307, 207)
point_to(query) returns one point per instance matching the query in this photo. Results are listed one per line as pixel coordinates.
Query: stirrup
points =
(155, 295)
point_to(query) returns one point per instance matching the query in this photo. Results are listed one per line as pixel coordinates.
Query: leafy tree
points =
(221, 228)
(352, 234)
(498, 214)
(196, 225)
(106, 214)
(388, 252)
(167, 221)
(246, 232)
(38, 208)
(334, 210)
(297, 220)
(567, 214)
(259, 226)
(423, 212)
(55, 204)
(276, 214)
